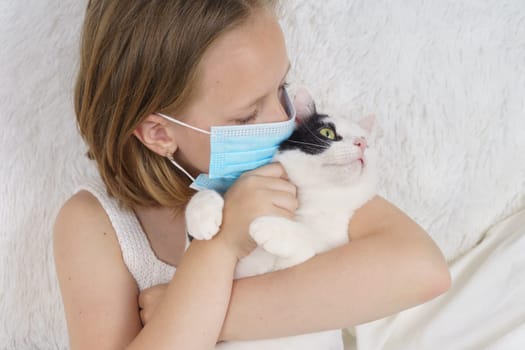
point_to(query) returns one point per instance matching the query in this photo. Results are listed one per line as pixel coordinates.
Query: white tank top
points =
(142, 263)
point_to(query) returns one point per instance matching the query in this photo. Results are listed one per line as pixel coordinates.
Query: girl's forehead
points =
(244, 63)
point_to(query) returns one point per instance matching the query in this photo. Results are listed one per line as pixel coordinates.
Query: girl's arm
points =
(191, 317)
(98, 292)
(391, 264)
(101, 298)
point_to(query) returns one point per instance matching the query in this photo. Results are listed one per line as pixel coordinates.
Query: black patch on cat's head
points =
(307, 137)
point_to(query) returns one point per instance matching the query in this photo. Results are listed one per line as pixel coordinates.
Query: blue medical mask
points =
(236, 149)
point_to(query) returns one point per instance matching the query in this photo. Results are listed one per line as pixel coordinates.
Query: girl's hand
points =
(148, 301)
(260, 192)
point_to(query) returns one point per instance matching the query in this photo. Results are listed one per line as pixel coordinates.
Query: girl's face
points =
(241, 79)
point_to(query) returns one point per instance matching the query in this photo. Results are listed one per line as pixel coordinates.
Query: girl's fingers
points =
(285, 201)
(279, 185)
(270, 170)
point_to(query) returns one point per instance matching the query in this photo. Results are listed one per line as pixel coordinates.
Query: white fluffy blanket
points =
(445, 78)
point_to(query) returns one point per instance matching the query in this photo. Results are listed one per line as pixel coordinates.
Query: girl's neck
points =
(165, 231)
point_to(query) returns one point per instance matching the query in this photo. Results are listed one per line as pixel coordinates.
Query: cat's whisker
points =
(305, 143)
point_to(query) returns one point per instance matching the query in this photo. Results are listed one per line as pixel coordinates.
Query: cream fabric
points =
(484, 309)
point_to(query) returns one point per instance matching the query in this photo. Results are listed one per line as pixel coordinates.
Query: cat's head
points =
(327, 150)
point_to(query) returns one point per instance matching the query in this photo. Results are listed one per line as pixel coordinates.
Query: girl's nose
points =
(361, 143)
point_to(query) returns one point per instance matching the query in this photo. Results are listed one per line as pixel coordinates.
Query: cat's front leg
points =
(283, 238)
(204, 214)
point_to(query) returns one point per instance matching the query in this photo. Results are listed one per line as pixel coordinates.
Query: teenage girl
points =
(205, 63)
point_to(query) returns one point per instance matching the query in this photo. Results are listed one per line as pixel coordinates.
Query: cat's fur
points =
(331, 185)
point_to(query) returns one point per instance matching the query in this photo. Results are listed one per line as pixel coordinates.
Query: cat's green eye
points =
(328, 133)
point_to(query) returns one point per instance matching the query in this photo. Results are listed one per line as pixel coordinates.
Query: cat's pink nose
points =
(361, 143)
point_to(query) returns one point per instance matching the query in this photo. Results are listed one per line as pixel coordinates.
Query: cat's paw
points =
(300, 256)
(258, 262)
(204, 214)
(275, 234)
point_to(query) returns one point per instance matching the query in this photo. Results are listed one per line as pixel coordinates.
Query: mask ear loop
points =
(182, 123)
(169, 155)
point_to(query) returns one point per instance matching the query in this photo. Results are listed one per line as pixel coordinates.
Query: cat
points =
(330, 161)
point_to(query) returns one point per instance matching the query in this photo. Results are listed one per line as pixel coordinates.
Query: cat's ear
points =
(304, 104)
(368, 123)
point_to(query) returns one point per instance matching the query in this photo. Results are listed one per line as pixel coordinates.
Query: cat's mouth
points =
(359, 161)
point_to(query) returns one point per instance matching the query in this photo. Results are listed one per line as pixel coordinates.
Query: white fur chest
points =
(328, 211)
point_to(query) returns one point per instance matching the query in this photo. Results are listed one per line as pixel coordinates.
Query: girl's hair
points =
(138, 58)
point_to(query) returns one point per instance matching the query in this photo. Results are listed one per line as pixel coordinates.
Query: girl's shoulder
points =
(94, 281)
(82, 214)
(82, 227)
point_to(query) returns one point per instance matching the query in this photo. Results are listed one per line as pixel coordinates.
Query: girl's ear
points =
(304, 104)
(156, 134)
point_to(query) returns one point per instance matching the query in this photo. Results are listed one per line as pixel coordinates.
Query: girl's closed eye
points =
(247, 119)
(253, 116)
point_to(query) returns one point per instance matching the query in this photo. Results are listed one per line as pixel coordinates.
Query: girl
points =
(205, 63)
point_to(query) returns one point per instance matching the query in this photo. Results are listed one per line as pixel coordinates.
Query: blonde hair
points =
(138, 58)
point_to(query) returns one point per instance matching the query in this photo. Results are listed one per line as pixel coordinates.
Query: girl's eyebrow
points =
(251, 103)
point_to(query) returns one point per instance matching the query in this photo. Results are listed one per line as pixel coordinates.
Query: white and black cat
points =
(330, 161)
